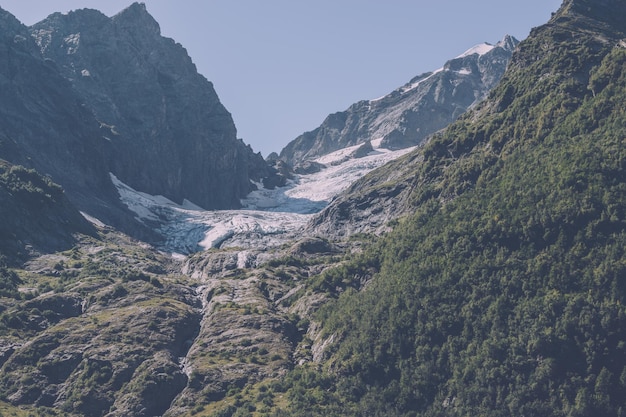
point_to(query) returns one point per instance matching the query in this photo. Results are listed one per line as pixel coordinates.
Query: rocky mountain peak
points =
(508, 43)
(14, 37)
(136, 18)
(167, 131)
(9, 24)
(135, 11)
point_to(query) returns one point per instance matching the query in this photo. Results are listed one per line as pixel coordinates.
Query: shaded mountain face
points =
(45, 125)
(166, 131)
(408, 115)
(83, 95)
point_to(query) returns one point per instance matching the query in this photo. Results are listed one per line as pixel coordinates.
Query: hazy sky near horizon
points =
(281, 66)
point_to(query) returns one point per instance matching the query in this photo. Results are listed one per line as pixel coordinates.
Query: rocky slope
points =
(371, 204)
(167, 131)
(88, 343)
(115, 328)
(408, 115)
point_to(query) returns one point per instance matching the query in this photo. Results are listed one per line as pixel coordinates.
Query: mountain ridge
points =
(411, 113)
(476, 306)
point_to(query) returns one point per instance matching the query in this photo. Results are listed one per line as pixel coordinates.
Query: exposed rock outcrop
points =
(105, 342)
(370, 204)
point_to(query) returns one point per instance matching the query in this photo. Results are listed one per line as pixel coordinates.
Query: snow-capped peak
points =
(480, 49)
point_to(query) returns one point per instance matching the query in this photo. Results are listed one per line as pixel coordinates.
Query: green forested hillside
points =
(504, 293)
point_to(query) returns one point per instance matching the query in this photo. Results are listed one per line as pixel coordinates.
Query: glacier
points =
(268, 217)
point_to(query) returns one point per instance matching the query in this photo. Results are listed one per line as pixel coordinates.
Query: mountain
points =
(500, 292)
(166, 129)
(408, 115)
(81, 100)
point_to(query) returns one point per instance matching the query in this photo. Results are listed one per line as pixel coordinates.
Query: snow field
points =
(268, 219)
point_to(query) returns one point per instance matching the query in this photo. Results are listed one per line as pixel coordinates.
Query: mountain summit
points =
(167, 132)
(45, 125)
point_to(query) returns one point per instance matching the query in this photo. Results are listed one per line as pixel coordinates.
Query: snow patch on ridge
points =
(416, 84)
(92, 220)
(480, 49)
(329, 182)
(308, 194)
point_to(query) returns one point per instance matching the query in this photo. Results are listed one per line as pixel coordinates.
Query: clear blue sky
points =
(281, 66)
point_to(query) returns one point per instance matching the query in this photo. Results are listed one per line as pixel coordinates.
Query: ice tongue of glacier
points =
(268, 219)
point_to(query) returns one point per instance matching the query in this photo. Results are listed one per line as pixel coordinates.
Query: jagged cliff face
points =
(408, 115)
(43, 123)
(166, 129)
